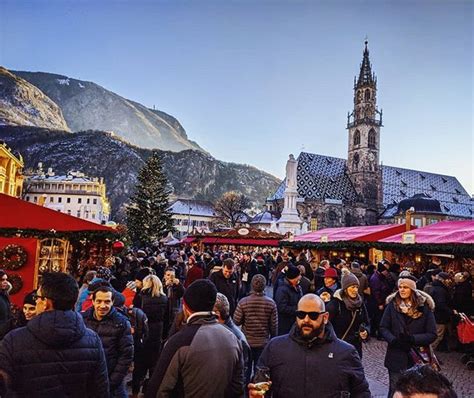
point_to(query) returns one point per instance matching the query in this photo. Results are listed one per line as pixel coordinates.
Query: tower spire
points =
(366, 77)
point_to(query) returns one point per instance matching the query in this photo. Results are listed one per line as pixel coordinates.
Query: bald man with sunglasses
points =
(311, 361)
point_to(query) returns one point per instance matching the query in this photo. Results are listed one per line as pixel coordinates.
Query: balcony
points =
(365, 120)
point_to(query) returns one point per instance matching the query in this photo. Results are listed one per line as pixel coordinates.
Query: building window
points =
(314, 224)
(88, 201)
(367, 95)
(35, 199)
(51, 199)
(78, 213)
(27, 198)
(93, 215)
(79, 200)
(94, 201)
(86, 213)
(371, 139)
(357, 137)
(68, 200)
(69, 212)
(60, 199)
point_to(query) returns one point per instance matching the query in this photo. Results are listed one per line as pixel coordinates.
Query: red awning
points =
(369, 233)
(240, 242)
(444, 232)
(188, 240)
(19, 214)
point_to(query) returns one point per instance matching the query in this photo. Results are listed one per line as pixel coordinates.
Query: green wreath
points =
(13, 257)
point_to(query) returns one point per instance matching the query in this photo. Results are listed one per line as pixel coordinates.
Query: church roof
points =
(325, 177)
(321, 177)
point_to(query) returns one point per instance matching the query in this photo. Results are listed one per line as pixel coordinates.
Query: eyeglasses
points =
(36, 297)
(313, 315)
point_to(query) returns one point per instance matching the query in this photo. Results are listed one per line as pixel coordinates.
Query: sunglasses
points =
(313, 315)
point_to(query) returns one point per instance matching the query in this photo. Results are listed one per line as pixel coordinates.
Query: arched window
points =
(367, 95)
(357, 137)
(332, 218)
(371, 140)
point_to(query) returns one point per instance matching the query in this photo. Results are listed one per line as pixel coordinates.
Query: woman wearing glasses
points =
(407, 322)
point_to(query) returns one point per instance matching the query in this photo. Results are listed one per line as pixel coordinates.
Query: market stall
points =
(350, 243)
(236, 238)
(35, 239)
(450, 241)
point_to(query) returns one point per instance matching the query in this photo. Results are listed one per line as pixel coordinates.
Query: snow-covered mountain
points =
(192, 174)
(88, 106)
(23, 104)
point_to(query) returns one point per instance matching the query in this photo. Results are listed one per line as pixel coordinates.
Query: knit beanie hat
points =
(142, 273)
(348, 279)
(406, 278)
(200, 295)
(258, 283)
(104, 273)
(30, 298)
(355, 265)
(292, 272)
(330, 273)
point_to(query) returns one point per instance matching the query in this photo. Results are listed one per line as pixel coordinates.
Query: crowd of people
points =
(226, 324)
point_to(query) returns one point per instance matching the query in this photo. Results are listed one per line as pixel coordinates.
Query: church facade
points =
(334, 192)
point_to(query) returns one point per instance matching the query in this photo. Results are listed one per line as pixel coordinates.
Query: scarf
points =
(350, 303)
(408, 308)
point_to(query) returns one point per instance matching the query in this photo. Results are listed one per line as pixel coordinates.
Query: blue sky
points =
(252, 81)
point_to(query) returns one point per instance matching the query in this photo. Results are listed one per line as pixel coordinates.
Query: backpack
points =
(138, 321)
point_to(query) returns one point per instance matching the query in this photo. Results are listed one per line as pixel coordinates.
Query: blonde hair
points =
(153, 283)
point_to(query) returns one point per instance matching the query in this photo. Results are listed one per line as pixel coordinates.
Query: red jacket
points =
(194, 273)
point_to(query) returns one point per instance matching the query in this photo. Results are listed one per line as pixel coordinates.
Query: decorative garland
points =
(42, 234)
(13, 257)
(465, 250)
(17, 283)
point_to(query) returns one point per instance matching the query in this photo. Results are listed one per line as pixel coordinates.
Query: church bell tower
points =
(364, 124)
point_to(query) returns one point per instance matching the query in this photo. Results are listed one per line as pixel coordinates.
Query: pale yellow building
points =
(11, 166)
(74, 194)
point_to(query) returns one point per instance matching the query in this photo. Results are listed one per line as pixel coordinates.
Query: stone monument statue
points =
(291, 168)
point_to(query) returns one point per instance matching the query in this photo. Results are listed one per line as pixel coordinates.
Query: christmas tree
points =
(148, 218)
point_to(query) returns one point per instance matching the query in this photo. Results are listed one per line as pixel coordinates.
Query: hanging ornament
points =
(13, 257)
(16, 281)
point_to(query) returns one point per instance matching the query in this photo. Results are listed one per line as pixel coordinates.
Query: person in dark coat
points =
(55, 355)
(204, 359)
(462, 299)
(348, 314)
(114, 330)
(174, 290)
(311, 361)
(154, 304)
(305, 283)
(302, 260)
(5, 310)
(443, 306)
(407, 322)
(380, 290)
(319, 274)
(287, 296)
(227, 283)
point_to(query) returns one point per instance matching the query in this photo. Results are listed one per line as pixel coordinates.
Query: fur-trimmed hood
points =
(422, 299)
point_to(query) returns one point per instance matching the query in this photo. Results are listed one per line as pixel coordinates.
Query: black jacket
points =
(341, 319)
(443, 303)
(301, 368)
(286, 299)
(115, 332)
(463, 297)
(228, 287)
(155, 309)
(5, 314)
(55, 355)
(394, 324)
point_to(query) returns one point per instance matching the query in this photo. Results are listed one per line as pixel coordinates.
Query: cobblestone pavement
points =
(452, 368)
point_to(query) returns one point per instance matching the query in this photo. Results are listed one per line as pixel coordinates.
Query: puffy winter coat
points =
(115, 332)
(258, 316)
(301, 368)
(55, 355)
(394, 324)
(286, 299)
(443, 303)
(155, 309)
